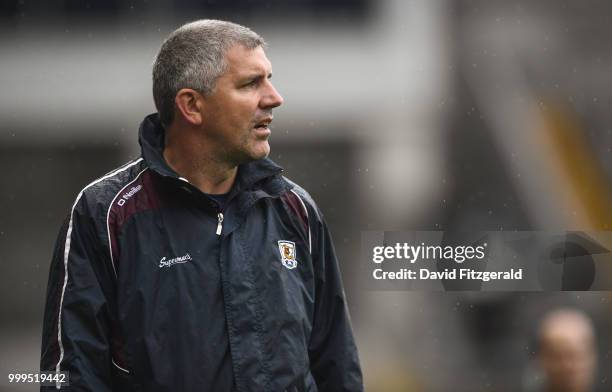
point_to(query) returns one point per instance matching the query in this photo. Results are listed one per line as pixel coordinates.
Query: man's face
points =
(568, 358)
(238, 112)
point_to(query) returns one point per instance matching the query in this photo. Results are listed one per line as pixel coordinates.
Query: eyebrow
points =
(254, 77)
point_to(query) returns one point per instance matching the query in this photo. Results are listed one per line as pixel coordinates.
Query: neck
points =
(190, 158)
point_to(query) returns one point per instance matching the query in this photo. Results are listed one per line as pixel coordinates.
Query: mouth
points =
(263, 124)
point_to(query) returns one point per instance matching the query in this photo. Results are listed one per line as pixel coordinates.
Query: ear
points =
(189, 106)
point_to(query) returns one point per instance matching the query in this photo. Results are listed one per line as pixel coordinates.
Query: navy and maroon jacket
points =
(154, 287)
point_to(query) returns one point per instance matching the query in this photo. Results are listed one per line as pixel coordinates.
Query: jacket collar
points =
(151, 139)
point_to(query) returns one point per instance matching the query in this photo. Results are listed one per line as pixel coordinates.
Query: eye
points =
(250, 83)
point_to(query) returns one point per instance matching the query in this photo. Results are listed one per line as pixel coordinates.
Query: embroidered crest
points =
(287, 252)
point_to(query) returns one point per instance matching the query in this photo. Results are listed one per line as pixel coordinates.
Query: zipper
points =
(219, 223)
(219, 214)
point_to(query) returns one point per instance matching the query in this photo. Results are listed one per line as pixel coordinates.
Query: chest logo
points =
(167, 263)
(287, 253)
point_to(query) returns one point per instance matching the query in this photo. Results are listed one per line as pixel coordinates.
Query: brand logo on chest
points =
(166, 263)
(287, 253)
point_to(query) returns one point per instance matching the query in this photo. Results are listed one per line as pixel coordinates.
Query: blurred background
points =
(399, 115)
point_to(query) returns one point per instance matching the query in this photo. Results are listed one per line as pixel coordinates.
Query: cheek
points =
(243, 108)
(244, 124)
(234, 123)
(235, 116)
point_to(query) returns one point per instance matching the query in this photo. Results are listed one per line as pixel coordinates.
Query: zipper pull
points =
(220, 223)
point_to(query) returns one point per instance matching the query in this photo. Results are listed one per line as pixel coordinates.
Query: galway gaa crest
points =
(287, 252)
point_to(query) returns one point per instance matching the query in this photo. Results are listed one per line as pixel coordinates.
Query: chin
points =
(255, 154)
(261, 151)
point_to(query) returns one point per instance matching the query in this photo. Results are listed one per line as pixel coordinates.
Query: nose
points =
(271, 98)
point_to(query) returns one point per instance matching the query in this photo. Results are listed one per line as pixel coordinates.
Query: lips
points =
(263, 123)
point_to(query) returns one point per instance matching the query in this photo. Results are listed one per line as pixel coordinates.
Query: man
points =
(567, 351)
(198, 266)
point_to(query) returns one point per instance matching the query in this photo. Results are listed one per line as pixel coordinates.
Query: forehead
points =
(242, 61)
(568, 335)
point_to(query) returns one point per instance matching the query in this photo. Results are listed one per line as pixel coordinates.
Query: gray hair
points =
(193, 56)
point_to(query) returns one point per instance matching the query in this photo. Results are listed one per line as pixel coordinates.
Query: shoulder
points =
(97, 196)
(300, 199)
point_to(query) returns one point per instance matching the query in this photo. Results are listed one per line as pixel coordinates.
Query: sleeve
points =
(75, 335)
(334, 361)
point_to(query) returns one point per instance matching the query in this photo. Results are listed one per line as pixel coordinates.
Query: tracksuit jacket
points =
(154, 287)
